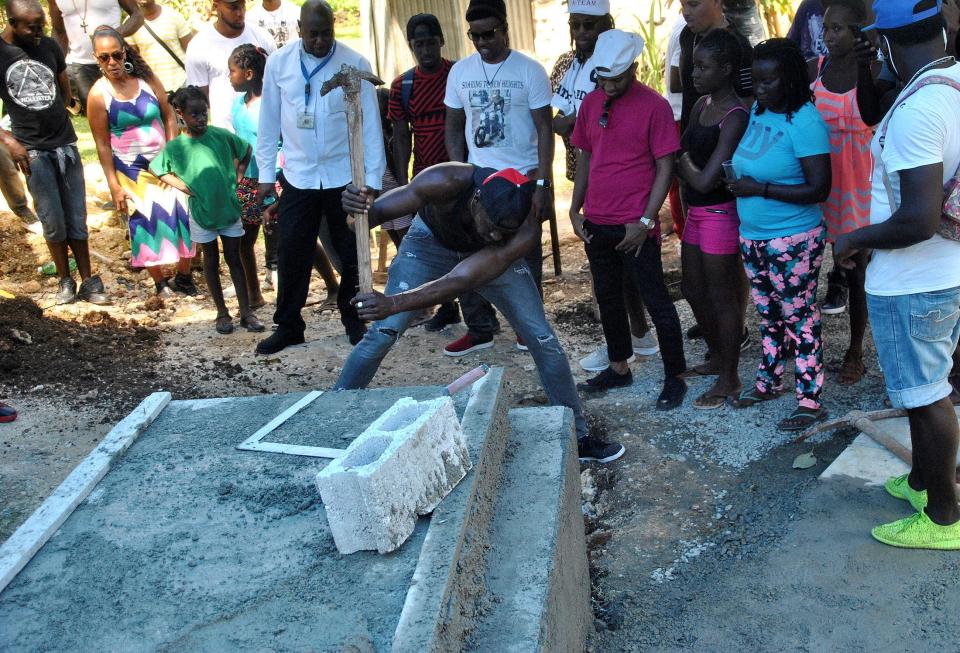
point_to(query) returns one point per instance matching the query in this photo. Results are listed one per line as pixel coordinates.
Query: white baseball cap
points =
(589, 7)
(616, 51)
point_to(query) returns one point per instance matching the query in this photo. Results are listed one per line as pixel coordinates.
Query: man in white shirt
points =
(316, 166)
(162, 42)
(210, 49)
(913, 279)
(72, 23)
(498, 116)
(279, 18)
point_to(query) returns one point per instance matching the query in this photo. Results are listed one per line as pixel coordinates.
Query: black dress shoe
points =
(674, 389)
(68, 291)
(606, 380)
(92, 291)
(278, 342)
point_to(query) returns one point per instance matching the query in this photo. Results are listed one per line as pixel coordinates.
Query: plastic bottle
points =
(50, 269)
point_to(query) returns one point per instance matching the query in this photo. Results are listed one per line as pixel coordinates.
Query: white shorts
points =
(200, 235)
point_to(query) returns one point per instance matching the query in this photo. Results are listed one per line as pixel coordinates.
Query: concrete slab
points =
(190, 544)
(538, 579)
(866, 460)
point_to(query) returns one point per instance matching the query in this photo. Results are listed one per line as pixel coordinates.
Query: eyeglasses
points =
(482, 36)
(588, 25)
(104, 57)
(605, 116)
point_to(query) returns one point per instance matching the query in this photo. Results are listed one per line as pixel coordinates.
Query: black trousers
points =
(301, 211)
(608, 266)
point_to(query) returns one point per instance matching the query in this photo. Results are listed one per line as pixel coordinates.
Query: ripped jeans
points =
(422, 259)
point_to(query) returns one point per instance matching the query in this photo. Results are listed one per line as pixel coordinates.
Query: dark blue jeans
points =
(422, 259)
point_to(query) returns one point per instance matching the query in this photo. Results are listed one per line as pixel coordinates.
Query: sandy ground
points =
(694, 491)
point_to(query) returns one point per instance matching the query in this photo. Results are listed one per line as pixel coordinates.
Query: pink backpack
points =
(950, 217)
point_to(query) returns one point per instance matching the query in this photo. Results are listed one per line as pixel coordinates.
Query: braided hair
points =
(138, 67)
(180, 98)
(724, 48)
(794, 74)
(252, 58)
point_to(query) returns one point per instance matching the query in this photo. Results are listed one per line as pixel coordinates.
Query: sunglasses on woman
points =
(104, 57)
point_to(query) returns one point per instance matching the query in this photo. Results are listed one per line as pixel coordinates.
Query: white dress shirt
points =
(319, 157)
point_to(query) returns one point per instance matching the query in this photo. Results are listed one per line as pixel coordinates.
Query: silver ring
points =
(359, 304)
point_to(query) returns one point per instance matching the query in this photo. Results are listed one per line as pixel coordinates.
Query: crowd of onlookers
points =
(842, 135)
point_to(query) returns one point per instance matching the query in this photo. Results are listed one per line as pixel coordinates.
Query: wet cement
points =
(177, 548)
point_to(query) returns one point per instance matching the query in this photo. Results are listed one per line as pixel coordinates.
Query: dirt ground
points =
(688, 488)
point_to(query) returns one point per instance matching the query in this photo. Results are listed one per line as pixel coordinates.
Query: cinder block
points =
(400, 467)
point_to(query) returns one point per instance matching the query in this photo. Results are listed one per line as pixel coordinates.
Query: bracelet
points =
(766, 189)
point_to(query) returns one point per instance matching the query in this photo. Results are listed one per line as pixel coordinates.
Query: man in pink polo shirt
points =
(627, 141)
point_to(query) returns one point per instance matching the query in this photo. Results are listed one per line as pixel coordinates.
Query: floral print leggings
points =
(783, 276)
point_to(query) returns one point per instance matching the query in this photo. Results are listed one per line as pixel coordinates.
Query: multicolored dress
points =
(848, 207)
(159, 220)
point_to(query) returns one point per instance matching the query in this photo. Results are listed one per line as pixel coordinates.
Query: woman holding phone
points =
(713, 280)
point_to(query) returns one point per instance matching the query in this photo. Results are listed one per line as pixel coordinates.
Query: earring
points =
(128, 67)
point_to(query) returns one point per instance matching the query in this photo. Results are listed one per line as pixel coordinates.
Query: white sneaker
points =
(599, 360)
(647, 345)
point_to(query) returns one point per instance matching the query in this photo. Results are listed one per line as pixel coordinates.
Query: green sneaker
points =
(919, 532)
(899, 488)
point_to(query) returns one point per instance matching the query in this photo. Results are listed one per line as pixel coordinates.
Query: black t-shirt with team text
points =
(32, 96)
(743, 85)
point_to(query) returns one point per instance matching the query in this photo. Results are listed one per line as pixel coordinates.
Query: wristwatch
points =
(646, 222)
(544, 183)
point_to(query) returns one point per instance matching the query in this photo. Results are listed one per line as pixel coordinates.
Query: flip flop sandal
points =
(851, 372)
(224, 325)
(801, 419)
(752, 397)
(252, 324)
(699, 371)
(709, 401)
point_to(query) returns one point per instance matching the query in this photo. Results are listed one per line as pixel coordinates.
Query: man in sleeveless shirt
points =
(473, 227)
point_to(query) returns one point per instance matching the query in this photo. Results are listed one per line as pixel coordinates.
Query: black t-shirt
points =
(31, 94)
(744, 81)
(454, 227)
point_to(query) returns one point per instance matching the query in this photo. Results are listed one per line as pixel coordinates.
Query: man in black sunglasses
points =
(498, 116)
(627, 142)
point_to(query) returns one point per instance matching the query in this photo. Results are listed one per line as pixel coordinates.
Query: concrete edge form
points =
(537, 574)
(17, 551)
(448, 578)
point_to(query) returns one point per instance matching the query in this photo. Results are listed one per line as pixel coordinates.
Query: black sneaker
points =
(694, 332)
(163, 289)
(592, 449)
(92, 291)
(447, 314)
(277, 342)
(606, 380)
(68, 291)
(836, 300)
(184, 283)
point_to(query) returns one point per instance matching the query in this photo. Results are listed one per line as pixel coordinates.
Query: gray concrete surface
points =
(189, 544)
(537, 574)
(817, 582)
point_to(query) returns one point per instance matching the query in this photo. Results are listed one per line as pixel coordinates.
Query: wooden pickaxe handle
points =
(361, 226)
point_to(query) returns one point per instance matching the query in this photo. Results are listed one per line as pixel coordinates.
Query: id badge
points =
(305, 121)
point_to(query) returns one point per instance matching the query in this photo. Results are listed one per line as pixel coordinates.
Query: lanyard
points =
(308, 77)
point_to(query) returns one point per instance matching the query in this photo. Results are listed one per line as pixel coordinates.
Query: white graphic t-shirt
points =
(497, 100)
(281, 24)
(207, 65)
(580, 79)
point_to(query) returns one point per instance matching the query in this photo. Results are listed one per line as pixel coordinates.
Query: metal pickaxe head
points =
(348, 78)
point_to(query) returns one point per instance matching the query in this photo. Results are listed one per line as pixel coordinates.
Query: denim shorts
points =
(59, 195)
(916, 336)
(200, 235)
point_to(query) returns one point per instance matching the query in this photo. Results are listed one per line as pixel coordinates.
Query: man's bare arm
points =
(134, 19)
(453, 136)
(57, 28)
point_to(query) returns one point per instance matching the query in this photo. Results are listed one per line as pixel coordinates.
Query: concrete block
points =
(409, 459)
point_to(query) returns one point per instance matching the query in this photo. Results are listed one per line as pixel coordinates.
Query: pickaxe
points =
(864, 422)
(348, 78)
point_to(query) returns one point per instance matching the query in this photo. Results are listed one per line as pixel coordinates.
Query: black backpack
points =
(406, 90)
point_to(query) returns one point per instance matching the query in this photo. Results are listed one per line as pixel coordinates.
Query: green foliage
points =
(652, 59)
